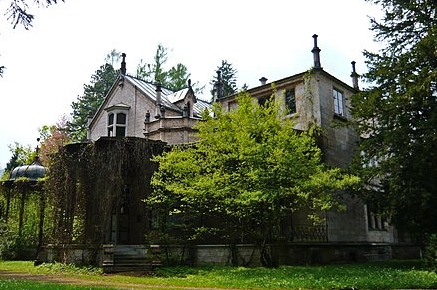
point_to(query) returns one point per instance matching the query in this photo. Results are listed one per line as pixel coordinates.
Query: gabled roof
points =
(177, 96)
(200, 106)
(149, 90)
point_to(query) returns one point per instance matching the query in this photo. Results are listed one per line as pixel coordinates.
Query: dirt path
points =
(84, 282)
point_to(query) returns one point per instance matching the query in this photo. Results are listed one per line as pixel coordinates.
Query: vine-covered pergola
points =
(25, 183)
(97, 193)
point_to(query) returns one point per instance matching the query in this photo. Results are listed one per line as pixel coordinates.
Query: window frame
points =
(113, 128)
(290, 109)
(339, 100)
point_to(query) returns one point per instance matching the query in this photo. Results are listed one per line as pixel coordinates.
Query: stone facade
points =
(314, 97)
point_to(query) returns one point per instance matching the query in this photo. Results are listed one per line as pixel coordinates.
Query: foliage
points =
(21, 155)
(430, 252)
(15, 242)
(88, 182)
(18, 13)
(372, 275)
(175, 79)
(228, 80)
(249, 170)
(87, 104)
(53, 138)
(398, 115)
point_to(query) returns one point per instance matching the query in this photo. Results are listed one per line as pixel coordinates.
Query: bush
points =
(13, 246)
(430, 252)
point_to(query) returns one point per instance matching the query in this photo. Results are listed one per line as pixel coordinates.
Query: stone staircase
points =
(127, 258)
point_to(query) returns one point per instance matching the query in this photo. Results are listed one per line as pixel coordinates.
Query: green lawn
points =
(374, 275)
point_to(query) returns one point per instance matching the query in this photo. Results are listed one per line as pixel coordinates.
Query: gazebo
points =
(24, 181)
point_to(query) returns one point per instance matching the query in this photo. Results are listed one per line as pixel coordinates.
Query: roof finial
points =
(36, 158)
(316, 53)
(158, 100)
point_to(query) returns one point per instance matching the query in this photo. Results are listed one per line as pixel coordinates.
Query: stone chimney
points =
(316, 53)
(354, 76)
(158, 100)
(123, 64)
(263, 80)
(219, 86)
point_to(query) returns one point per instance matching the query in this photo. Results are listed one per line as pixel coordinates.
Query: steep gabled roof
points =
(149, 89)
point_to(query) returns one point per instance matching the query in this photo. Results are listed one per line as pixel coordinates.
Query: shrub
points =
(430, 252)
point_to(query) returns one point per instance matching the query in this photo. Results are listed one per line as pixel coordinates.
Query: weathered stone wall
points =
(291, 254)
(176, 130)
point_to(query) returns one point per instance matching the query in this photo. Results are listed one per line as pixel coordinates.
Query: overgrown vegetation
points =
(248, 173)
(371, 275)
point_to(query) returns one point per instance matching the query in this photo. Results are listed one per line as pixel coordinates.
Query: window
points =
(290, 101)
(338, 102)
(117, 120)
(375, 220)
(262, 101)
(232, 105)
(117, 124)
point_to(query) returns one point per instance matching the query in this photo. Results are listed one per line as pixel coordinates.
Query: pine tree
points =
(227, 82)
(87, 104)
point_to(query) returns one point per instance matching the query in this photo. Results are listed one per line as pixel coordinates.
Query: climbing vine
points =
(89, 183)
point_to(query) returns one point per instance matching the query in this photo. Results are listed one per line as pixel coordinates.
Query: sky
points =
(47, 65)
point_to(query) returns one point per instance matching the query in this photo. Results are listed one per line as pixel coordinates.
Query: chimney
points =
(354, 76)
(316, 53)
(219, 86)
(263, 80)
(158, 100)
(123, 64)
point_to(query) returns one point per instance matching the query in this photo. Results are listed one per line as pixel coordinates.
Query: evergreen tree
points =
(87, 104)
(397, 115)
(228, 80)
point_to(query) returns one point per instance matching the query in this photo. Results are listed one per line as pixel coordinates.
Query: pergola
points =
(22, 182)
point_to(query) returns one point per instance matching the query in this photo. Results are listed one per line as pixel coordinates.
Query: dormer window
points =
(117, 120)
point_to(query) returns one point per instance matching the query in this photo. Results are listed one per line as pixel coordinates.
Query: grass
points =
(14, 284)
(372, 275)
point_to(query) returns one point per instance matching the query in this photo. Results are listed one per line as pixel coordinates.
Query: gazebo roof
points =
(33, 171)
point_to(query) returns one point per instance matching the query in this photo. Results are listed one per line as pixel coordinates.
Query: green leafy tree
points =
(248, 171)
(397, 114)
(176, 78)
(228, 80)
(21, 155)
(87, 104)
